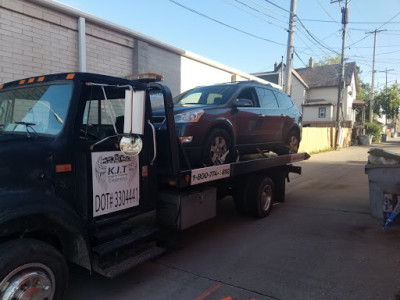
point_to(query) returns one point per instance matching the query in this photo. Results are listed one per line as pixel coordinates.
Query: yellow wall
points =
(315, 139)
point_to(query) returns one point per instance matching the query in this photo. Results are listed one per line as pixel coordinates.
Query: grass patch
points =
(321, 151)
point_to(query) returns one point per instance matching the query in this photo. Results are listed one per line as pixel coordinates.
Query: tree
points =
(388, 102)
(364, 90)
(363, 93)
(329, 60)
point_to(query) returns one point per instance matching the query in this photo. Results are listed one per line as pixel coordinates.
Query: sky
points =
(251, 35)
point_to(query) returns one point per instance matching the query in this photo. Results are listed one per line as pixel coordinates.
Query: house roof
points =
(328, 75)
(274, 75)
(317, 102)
(359, 103)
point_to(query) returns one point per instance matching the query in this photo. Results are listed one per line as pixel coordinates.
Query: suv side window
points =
(267, 98)
(283, 100)
(249, 94)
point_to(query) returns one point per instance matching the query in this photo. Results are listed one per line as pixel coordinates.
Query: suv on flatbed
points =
(216, 123)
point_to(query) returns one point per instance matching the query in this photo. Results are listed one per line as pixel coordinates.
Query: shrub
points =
(375, 130)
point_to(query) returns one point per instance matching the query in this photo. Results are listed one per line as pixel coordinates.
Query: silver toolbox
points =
(182, 210)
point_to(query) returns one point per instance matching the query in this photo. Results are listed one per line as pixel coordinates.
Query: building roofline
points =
(67, 9)
(300, 79)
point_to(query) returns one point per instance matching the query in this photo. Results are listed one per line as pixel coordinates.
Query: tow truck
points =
(81, 162)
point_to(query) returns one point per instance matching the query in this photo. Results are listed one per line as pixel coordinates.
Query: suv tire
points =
(216, 147)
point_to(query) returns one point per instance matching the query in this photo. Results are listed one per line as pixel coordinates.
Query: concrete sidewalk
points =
(353, 255)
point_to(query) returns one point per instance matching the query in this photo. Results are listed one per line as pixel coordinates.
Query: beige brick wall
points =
(35, 40)
(108, 52)
(152, 59)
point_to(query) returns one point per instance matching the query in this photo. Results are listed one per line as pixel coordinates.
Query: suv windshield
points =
(39, 109)
(207, 95)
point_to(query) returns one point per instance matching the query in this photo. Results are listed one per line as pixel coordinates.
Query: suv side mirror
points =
(243, 103)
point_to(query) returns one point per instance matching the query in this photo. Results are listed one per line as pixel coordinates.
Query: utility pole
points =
(289, 53)
(282, 71)
(386, 71)
(342, 80)
(372, 102)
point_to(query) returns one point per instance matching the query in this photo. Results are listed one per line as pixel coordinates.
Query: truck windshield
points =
(41, 108)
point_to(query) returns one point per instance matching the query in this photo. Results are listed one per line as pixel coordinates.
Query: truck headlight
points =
(192, 116)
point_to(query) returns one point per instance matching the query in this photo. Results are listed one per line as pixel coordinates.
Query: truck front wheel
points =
(31, 269)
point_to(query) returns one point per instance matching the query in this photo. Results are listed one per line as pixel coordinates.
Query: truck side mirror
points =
(134, 112)
(131, 144)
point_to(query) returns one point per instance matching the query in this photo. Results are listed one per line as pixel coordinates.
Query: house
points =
(315, 92)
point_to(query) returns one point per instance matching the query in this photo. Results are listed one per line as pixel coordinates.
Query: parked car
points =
(218, 122)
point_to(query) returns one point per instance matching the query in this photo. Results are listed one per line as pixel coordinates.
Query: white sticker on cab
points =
(115, 182)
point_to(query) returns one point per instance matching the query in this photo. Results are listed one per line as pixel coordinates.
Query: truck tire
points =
(260, 196)
(31, 269)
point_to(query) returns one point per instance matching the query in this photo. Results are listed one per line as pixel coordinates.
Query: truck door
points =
(109, 182)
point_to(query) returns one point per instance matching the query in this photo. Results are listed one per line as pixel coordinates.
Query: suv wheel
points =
(218, 148)
(293, 142)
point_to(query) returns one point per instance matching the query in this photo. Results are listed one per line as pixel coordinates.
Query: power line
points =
(248, 6)
(300, 30)
(385, 46)
(389, 20)
(226, 25)
(374, 22)
(298, 56)
(323, 8)
(315, 39)
(266, 8)
(270, 2)
(370, 33)
(252, 8)
(329, 21)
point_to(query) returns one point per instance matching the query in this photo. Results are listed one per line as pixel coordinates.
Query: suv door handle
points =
(260, 116)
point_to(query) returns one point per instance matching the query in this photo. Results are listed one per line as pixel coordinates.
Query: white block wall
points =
(196, 73)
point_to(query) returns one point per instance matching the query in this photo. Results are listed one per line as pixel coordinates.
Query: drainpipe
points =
(82, 44)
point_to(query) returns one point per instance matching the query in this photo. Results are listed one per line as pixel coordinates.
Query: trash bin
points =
(383, 137)
(384, 183)
(365, 139)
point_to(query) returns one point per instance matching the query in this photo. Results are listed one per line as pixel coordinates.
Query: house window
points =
(322, 112)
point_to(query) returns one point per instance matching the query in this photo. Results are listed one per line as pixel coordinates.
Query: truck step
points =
(109, 233)
(125, 240)
(129, 263)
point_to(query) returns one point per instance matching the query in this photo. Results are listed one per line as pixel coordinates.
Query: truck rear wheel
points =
(31, 269)
(260, 196)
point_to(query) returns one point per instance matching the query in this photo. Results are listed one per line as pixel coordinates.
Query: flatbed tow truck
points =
(81, 161)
